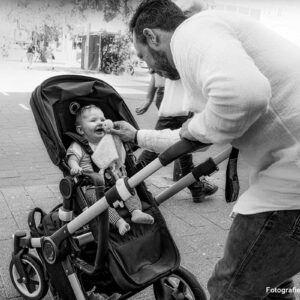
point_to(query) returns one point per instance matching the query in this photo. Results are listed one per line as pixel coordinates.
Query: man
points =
(243, 82)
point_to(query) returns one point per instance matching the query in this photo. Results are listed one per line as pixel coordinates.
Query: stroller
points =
(70, 259)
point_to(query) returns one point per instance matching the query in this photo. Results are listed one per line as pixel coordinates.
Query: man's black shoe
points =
(201, 189)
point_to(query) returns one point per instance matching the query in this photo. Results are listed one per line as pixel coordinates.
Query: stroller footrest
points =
(83, 265)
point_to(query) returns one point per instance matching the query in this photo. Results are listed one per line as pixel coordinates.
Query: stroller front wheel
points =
(181, 284)
(36, 287)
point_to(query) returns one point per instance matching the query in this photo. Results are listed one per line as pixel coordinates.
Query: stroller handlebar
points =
(180, 148)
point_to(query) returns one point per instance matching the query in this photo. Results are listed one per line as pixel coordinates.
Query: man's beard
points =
(162, 64)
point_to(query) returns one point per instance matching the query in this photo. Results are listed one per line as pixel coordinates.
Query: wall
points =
(282, 16)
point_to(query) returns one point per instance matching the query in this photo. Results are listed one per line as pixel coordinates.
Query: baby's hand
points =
(108, 125)
(76, 170)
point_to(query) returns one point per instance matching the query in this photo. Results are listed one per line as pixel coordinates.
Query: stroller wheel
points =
(182, 285)
(36, 287)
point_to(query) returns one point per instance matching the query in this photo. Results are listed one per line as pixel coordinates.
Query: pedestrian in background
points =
(155, 91)
(30, 54)
(50, 57)
(172, 114)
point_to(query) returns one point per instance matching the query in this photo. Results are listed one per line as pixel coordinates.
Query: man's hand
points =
(184, 132)
(143, 108)
(124, 130)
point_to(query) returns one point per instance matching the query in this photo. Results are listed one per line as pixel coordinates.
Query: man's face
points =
(156, 60)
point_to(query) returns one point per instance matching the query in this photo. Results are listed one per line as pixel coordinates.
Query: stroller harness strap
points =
(80, 140)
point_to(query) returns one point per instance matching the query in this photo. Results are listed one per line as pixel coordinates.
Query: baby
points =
(89, 124)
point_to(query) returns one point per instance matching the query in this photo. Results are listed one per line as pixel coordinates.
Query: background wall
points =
(282, 16)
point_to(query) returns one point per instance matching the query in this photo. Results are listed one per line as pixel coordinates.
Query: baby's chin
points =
(96, 138)
(100, 135)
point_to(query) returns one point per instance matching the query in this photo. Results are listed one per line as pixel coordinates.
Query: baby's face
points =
(92, 125)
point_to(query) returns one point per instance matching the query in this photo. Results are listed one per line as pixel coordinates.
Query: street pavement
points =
(28, 178)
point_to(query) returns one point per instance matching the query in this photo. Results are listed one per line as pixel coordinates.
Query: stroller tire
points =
(181, 284)
(37, 286)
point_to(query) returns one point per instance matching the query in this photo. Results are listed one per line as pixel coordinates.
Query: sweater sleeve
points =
(157, 140)
(222, 78)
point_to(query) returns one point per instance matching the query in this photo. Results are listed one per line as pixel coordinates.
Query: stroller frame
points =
(50, 248)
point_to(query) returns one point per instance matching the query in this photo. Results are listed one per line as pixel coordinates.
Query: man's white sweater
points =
(243, 82)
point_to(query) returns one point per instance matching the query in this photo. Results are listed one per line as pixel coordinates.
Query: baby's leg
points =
(115, 219)
(134, 206)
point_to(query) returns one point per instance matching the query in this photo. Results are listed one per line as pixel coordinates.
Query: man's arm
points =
(154, 140)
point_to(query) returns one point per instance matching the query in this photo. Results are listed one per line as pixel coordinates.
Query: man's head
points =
(89, 123)
(152, 26)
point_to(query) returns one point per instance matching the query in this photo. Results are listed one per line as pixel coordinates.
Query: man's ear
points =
(79, 130)
(151, 36)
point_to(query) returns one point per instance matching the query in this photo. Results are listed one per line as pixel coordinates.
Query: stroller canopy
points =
(51, 100)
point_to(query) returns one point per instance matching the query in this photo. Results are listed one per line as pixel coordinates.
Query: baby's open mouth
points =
(99, 130)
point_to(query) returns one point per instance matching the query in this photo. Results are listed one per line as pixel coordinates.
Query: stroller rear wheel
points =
(181, 284)
(36, 287)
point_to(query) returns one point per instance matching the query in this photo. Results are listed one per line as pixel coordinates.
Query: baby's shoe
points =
(137, 216)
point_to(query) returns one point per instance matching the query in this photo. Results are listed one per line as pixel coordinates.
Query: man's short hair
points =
(162, 14)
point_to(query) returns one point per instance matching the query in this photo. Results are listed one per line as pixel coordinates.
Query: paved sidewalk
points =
(29, 179)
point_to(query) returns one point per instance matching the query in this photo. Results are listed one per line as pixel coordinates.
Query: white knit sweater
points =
(243, 81)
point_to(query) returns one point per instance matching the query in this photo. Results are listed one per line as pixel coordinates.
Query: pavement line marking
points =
(4, 93)
(24, 106)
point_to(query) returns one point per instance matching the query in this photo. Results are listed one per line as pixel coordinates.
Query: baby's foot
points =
(122, 226)
(140, 217)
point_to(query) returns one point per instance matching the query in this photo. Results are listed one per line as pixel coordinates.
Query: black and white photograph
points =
(150, 149)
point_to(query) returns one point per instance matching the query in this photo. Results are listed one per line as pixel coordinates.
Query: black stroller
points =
(71, 260)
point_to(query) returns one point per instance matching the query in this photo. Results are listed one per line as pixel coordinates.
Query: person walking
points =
(155, 91)
(30, 54)
(243, 83)
(172, 114)
(50, 57)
